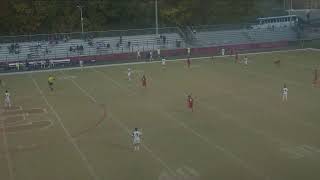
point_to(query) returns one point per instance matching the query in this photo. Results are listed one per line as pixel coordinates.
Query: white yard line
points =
(125, 128)
(7, 152)
(134, 63)
(68, 134)
(206, 140)
(218, 147)
(119, 85)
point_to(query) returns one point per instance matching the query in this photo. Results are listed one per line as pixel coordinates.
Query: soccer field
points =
(240, 128)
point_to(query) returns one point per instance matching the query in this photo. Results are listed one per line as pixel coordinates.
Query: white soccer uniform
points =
(151, 56)
(81, 64)
(7, 101)
(222, 52)
(136, 137)
(189, 51)
(163, 61)
(129, 74)
(285, 94)
(245, 60)
(158, 51)
(138, 55)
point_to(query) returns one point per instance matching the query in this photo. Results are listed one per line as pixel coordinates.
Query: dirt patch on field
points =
(12, 108)
(23, 111)
(26, 127)
(13, 120)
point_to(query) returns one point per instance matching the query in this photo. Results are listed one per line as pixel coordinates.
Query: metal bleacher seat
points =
(269, 35)
(244, 36)
(100, 44)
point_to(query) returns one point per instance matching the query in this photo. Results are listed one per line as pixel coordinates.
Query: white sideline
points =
(69, 136)
(134, 63)
(124, 127)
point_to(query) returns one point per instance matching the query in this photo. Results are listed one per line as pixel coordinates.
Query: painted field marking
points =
(135, 63)
(119, 85)
(28, 130)
(230, 154)
(218, 147)
(125, 128)
(301, 151)
(284, 146)
(67, 133)
(67, 77)
(7, 152)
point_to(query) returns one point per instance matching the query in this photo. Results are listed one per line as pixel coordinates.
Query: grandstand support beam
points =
(80, 7)
(156, 15)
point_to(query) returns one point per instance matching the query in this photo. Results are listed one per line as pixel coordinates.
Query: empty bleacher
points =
(244, 36)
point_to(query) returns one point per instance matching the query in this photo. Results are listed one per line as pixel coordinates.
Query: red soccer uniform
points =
(144, 81)
(190, 103)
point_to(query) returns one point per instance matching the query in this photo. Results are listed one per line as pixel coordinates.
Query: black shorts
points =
(50, 83)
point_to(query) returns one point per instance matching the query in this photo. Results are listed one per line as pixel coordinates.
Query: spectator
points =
(188, 51)
(308, 16)
(158, 52)
(120, 41)
(164, 39)
(129, 44)
(138, 55)
(178, 43)
(150, 56)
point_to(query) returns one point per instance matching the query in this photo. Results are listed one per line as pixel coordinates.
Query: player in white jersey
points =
(129, 74)
(163, 62)
(136, 137)
(158, 53)
(81, 64)
(150, 56)
(284, 93)
(138, 55)
(245, 60)
(7, 101)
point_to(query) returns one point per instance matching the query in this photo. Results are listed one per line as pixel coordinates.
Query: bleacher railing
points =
(79, 35)
(49, 46)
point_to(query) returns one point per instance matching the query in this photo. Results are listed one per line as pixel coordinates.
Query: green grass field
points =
(240, 129)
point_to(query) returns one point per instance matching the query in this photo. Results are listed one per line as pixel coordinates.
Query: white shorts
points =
(7, 101)
(136, 141)
(163, 63)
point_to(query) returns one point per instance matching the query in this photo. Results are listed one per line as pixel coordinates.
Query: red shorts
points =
(190, 105)
(144, 83)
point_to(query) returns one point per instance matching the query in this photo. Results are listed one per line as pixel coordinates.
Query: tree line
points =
(53, 16)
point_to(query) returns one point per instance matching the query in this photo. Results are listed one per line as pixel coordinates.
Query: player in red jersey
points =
(188, 62)
(144, 81)
(190, 102)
